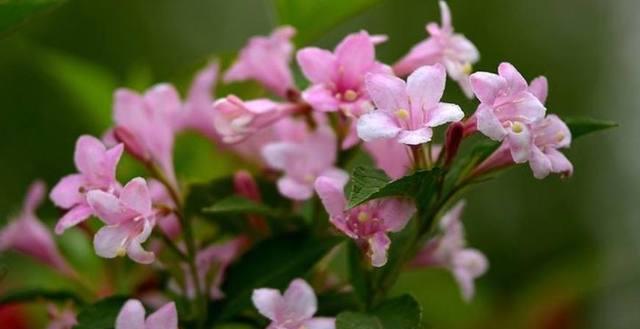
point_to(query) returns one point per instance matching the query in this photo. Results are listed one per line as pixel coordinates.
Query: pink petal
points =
(331, 194)
(425, 87)
(396, 213)
(424, 53)
(520, 144)
(279, 155)
(320, 323)
(390, 156)
(377, 125)
(164, 100)
(164, 318)
(73, 217)
(487, 86)
(323, 146)
(559, 162)
(515, 80)
(318, 65)
(107, 207)
(300, 301)
(89, 155)
(444, 113)
(355, 56)
(110, 241)
(539, 87)
(387, 92)
(136, 252)
(445, 15)
(131, 315)
(337, 174)
(415, 137)
(529, 107)
(468, 264)
(321, 98)
(269, 303)
(35, 195)
(293, 189)
(66, 193)
(135, 195)
(489, 124)
(539, 162)
(199, 97)
(378, 247)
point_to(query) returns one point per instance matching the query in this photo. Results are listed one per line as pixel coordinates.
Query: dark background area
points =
(563, 253)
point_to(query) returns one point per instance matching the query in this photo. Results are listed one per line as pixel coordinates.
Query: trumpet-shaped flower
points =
(129, 218)
(292, 310)
(132, 316)
(146, 124)
(450, 49)
(338, 77)
(507, 107)
(369, 223)
(448, 250)
(303, 159)
(27, 235)
(166, 219)
(408, 111)
(96, 171)
(266, 59)
(197, 113)
(392, 157)
(235, 120)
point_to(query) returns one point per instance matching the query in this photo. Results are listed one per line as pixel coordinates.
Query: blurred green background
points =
(564, 254)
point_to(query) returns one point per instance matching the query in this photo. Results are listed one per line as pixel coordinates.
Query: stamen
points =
(467, 68)
(402, 114)
(517, 127)
(350, 95)
(363, 216)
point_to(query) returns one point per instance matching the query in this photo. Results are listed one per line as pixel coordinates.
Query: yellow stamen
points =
(467, 68)
(350, 95)
(517, 127)
(402, 114)
(363, 217)
(559, 137)
(121, 252)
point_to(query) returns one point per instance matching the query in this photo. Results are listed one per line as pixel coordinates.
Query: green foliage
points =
(314, 18)
(239, 205)
(398, 313)
(271, 263)
(101, 315)
(37, 294)
(15, 12)
(583, 126)
(368, 183)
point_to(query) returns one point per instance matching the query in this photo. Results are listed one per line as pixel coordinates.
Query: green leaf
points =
(239, 205)
(37, 294)
(271, 263)
(399, 313)
(583, 126)
(465, 162)
(369, 183)
(101, 315)
(15, 12)
(313, 18)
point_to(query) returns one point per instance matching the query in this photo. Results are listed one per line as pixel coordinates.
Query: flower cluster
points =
(300, 140)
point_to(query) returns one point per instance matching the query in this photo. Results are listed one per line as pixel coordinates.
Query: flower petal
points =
(318, 65)
(539, 162)
(487, 86)
(515, 81)
(489, 124)
(320, 323)
(164, 318)
(107, 207)
(378, 246)
(520, 143)
(269, 303)
(355, 55)
(293, 189)
(73, 217)
(444, 113)
(377, 125)
(321, 98)
(425, 86)
(300, 301)
(387, 92)
(89, 155)
(135, 195)
(539, 87)
(332, 196)
(527, 106)
(137, 253)
(66, 193)
(164, 100)
(396, 213)
(110, 241)
(468, 264)
(415, 137)
(131, 315)
(559, 162)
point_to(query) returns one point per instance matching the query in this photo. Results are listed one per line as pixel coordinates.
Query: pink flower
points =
(394, 158)
(197, 113)
(235, 120)
(27, 235)
(129, 220)
(507, 107)
(96, 171)
(212, 263)
(407, 112)
(448, 251)
(266, 59)
(61, 318)
(303, 160)
(132, 314)
(293, 310)
(450, 49)
(369, 223)
(338, 77)
(146, 124)
(167, 219)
